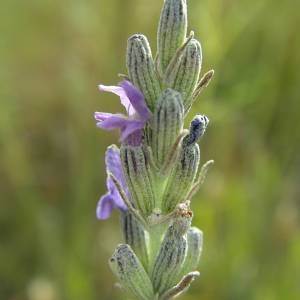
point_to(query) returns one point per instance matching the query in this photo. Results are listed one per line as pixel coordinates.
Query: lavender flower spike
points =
(154, 174)
(137, 110)
(112, 198)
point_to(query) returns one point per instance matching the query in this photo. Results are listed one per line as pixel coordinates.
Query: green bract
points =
(141, 70)
(171, 31)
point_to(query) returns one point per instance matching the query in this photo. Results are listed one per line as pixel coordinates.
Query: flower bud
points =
(183, 74)
(141, 68)
(171, 31)
(167, 124)
(139, 177)
(182, 218)
(169, 261)
(194, 250)
(181, 177)
(135, 236)
(130, 272)
(197, 129)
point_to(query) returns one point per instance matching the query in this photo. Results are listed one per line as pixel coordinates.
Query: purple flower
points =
(112, 199)
(137, 110)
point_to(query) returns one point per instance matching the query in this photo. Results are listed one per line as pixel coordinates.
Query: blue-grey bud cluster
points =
(161, 250)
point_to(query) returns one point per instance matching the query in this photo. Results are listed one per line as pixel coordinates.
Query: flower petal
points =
(110, 121)
(114, 165)
(116, 197)
(131, 127)
(136, 99)
(105, 207)
(118, 90)
(101, 116)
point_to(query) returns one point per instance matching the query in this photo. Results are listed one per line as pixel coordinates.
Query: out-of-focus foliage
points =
(52, 56)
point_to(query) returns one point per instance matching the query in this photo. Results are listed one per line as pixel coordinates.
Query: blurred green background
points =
(52, 56)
